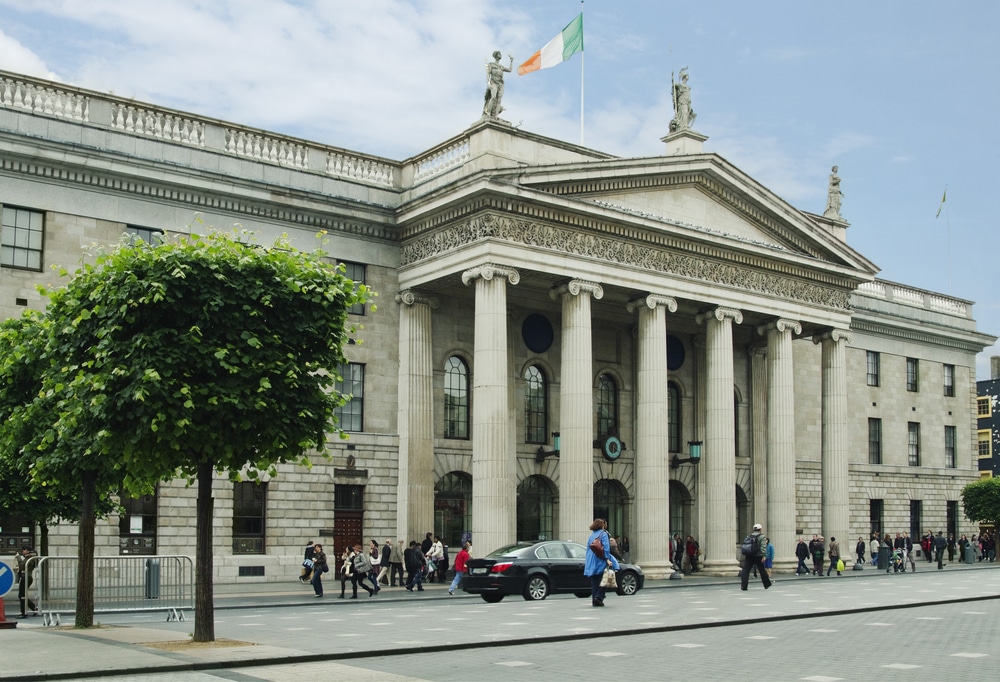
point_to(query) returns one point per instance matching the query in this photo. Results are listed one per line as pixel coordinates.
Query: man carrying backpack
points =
(753, 550)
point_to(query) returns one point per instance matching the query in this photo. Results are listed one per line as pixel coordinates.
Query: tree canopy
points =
(982, 500)
(206, 353)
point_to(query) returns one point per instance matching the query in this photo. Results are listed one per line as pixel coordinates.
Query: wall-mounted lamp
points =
(694, 452)
(541, 453)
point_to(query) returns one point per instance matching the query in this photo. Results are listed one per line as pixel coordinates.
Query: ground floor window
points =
(453, 508)
(610, 504)
(249, 506)
(535, 504)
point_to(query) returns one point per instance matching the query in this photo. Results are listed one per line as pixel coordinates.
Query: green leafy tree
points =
(198, 355)
(982, 501)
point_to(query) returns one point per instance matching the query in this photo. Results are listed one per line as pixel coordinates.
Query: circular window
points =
(536, 331)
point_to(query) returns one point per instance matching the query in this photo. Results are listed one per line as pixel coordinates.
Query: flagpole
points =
(582, 55)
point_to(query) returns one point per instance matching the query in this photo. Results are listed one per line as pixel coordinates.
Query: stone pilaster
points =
(415, 493)
(758, 428)
(780, 523)
(719, 454)
(494, 505)
(576, 411)
(651, 536)
(836, 476)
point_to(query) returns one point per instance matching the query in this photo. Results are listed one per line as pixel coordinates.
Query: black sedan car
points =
(538, 570)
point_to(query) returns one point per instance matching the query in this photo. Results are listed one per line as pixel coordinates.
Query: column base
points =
(720, 569)
(658, 570)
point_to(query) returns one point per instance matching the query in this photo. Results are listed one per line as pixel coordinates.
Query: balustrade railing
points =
(442, 160)
(915, 297)
(39, 99)
(359, 168)
(151, 122)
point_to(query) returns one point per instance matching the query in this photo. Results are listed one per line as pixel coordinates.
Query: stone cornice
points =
(914, 334)
(193, 198)
(633, 248)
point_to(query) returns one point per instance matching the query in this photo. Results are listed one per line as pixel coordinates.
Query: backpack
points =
(749, 546)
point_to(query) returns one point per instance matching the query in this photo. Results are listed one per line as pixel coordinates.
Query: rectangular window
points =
(983, 441)
(874, 441)
(348, 497)
(952, 518)
(949, 447)
(350, 415)
(150, 235)
(249, 504)
(913, 444)
(984, 407)
(949, 380)
(356, 272)
(916, 511)
(873, 368)
(912, 374)
(21, 238)
(875, 515)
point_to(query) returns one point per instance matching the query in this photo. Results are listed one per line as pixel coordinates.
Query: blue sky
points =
(901, 95)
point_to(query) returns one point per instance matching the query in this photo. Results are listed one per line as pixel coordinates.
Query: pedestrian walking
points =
(307, 564)
(940, 544)
(319, 567)
(834, 556)
(415, 568)
(396, 560)
(460, 559)
(859, 549)
(598, 560)
(802, 553)
(384, 563)
(754, 557)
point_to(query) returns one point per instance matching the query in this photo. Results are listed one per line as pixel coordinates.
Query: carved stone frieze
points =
(620, 252)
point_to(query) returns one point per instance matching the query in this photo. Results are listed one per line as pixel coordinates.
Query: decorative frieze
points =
(614, 250)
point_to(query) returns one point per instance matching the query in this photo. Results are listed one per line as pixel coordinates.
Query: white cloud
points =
(16, 57)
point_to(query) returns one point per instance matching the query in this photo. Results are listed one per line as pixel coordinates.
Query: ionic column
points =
(415, 492)
(651, 537)
(836, 505)
(758, 429)
(780, 523)
(719, 456)
(493, 470)
(576, 410)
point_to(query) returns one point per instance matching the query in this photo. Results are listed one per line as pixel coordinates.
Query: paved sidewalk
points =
(310, 630)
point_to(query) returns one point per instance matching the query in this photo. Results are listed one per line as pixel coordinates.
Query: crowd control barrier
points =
(121, 583)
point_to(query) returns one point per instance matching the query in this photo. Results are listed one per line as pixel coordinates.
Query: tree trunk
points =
(204, 599)
(85, 553)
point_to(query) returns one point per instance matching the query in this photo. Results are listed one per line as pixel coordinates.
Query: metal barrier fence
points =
(121, 583)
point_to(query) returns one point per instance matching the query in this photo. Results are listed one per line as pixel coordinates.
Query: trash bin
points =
(970, 555)
(883, 559)
(152, 578)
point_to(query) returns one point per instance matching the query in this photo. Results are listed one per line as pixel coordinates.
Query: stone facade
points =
(513, 253)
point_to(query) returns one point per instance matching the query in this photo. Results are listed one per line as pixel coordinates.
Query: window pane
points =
(456, 398)
(607, 406)
(350, 416)
(535, 406)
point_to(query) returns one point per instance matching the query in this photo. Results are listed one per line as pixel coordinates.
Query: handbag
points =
(308, 563)
(609, 580)
(597, 547)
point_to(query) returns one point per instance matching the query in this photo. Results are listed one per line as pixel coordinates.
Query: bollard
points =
(4, 623)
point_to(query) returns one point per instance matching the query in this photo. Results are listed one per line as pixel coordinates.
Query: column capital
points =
(837, 335)
(488, 271)
(574, 287)
(651, 301)
(412, 297)
(782, 325)
(720, 313)
(757, 350)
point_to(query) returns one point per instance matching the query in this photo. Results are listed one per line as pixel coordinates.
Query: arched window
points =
(607, 405)
(453, 507)
(673, 417)
(456, 398)
(535, 502)
(536, 406)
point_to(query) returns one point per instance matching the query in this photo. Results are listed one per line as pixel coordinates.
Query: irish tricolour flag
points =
(558, 50)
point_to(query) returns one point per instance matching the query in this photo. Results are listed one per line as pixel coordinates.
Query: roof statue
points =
(684, 115)
(494, 85)
(834, 197)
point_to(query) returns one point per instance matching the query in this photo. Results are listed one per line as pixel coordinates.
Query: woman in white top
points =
(436, 554)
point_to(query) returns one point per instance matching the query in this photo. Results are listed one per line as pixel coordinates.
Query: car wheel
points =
(628, 583)
(536, 589)
(491, 597)
(581, 595)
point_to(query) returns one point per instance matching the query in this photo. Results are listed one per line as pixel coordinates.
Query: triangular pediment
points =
(704, 194)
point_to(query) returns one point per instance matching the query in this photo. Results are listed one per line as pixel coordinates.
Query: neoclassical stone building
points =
(558, 331)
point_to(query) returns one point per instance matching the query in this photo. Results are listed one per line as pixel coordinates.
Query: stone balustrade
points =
(269, 148)
(917, 298)
(49, 100)
(167, 126)
(440, 160)
(359, 168)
